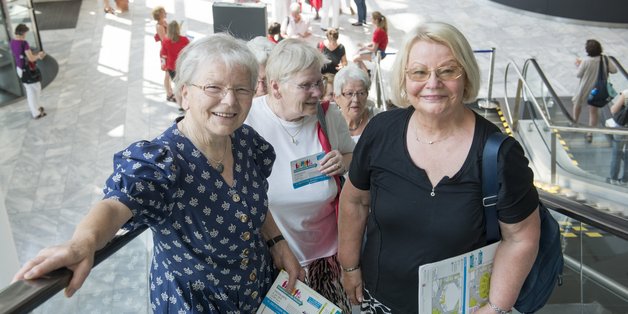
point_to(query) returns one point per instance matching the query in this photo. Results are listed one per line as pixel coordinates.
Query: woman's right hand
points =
(76, 256)
(352, 283)
(285, 259)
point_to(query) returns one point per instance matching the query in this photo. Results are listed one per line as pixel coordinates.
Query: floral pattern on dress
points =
(209, 255)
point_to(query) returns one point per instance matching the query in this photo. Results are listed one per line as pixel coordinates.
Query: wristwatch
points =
(274, 240)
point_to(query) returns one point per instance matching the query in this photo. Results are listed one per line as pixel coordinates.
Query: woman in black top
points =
(414, 184)
(334, 51)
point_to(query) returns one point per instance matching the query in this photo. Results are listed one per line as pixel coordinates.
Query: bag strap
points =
(490, 185)
(321, 130)
(24, 58)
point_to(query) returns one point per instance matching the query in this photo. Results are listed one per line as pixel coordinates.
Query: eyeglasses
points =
(445, 73)
(310, 86)
(349, 95)
(221, 91)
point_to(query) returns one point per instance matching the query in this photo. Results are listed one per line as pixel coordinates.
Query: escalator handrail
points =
(550, 89)
(619, 66)
(573, 209)
(546, 120)
(24, 296)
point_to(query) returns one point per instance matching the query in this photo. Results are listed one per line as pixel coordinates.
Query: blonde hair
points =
(174, 31)
(444, 34)
(157, 12)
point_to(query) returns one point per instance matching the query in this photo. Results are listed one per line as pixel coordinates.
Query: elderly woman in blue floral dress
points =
(201, 188)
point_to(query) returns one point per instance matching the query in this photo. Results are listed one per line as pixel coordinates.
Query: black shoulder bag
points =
(547, 270)
(599, 96)
(30, 71)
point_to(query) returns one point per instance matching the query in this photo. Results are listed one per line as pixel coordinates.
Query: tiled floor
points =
(109, 93)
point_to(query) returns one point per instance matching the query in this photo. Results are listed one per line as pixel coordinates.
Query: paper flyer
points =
(303, 300)
(456, 285)
(305, 170)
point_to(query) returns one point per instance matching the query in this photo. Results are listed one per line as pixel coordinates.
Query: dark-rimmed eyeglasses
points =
(358, 94)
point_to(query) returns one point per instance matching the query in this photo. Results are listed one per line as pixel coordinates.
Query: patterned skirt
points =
(323, 275)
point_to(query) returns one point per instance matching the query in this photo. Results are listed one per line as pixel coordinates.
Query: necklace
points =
(292, 137)
(219, 166)
(416, 136)
(358, 125)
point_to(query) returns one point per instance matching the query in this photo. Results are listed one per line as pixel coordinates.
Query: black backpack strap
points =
(490, 185)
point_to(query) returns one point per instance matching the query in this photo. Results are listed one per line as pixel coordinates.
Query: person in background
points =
(334, 6)
(172, 46)
(415, 177)
(361, 6)
(588, 74)
(334, 51)
(316, 5)
(295, 26)
(200, 186)
(20, 49)
(351, 90)
(261, 48)
(328, 88)
(619, 144)
(281, 9)
(274, 32)
(305, 212)
(378, 44)
(161, 30)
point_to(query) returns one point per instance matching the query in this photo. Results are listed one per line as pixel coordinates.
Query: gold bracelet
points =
(350, 269)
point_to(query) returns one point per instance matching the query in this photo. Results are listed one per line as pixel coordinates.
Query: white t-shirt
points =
(293, 28)
(305, 216)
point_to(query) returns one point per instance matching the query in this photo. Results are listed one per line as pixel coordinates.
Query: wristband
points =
(274, 241)
(350, 269)
(497, 309)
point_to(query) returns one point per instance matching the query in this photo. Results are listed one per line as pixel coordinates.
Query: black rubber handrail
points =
(25, 295)
(550, 89)
(619, 66)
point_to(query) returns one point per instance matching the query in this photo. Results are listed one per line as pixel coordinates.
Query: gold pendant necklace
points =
(219, 165)
(292, 137)
(416, 136)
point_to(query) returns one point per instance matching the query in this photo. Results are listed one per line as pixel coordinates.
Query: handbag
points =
(599, 95)
(30, 71)
(621, 117)
(547, 269)
(321, 130)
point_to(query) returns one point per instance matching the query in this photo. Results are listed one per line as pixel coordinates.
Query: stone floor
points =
(109, 93)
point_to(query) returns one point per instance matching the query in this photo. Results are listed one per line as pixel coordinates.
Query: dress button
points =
(244, 218)
(254, 294)
(245, 261)
(246, 236)
(253, 276)
(245, 252)
(235, 197)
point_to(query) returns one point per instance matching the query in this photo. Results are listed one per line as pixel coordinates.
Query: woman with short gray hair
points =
(351, 90)
(304, 208)
(261, 48)
(200, 187)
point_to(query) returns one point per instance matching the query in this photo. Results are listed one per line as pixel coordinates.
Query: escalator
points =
(571, 173)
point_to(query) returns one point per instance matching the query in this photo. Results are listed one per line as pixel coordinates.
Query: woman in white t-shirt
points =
(302, 192)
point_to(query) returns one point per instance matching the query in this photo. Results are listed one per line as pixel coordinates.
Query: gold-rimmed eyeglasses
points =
(218, 91)
(358, 94)
(422, 73)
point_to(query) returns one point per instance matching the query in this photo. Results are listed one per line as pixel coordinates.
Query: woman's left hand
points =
(332, 164)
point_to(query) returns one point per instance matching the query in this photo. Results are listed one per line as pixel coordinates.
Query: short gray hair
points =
(441, 33)
(261, 48)
(291, 56)
(350, 72)
(218, 47)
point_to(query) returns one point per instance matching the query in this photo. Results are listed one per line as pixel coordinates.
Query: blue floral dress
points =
(209, 255)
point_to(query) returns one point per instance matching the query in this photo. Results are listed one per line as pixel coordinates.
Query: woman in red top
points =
(172, 46)
(379, 42)
(159, 15)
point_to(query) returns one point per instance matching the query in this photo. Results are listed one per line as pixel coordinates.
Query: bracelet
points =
(498, 309)
(274, 241)
(350, 269)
